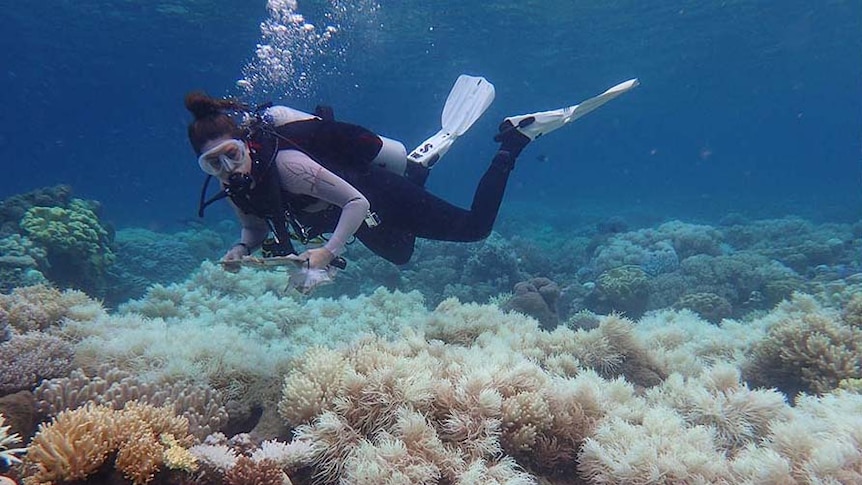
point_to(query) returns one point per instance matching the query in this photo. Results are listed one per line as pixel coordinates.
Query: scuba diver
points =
(294, 175)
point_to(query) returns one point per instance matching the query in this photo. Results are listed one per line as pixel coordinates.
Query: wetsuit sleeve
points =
(303, 176)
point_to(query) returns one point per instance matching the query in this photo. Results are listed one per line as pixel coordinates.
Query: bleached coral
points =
(809, 348)
(288, 456)
(719, 399)
(42, 307)
(416, 410)
(658, 448)
(217, 456)
(820, 443)
(9, 454)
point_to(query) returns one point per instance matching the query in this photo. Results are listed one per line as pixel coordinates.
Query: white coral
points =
(8, 455)
(218, 456)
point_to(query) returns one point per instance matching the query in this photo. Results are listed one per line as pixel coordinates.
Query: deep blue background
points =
(752, 107)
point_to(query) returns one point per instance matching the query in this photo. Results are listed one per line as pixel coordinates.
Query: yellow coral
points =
(176, 456)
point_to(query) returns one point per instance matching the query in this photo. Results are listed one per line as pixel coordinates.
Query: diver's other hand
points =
(234, 254)
(317, 258)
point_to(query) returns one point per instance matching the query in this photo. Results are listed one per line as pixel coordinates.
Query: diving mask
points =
(226, 157)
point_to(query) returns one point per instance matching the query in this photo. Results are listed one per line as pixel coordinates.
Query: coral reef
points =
(20, 263)
(713, 429)
(796, 243)
(377, 389)
(425, 414)
(200, 405)
(145, 258)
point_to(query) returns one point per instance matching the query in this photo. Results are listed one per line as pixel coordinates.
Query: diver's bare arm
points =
(302, 175)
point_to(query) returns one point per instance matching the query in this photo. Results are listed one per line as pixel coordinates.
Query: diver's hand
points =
(235, 253)
(317, 258)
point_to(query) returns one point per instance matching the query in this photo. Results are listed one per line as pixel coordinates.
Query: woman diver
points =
(286, 171)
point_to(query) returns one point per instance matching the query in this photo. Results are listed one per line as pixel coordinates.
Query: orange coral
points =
(78, 442)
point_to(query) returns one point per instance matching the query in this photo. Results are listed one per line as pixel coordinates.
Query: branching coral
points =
(808, 349)
(417, 411)
(41, 307)
(202, 406)
(821, 442)
(26, 360)
(613, 349)
(77, 443)
(247, 471)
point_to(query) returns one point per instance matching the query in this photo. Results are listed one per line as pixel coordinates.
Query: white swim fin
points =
(468, 99)
(535, 125)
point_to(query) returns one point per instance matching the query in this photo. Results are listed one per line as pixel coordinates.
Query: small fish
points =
(542, 158)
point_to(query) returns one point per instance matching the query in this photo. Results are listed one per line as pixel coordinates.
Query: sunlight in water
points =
(295, 50)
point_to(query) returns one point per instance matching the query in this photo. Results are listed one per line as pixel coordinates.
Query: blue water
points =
(745, 106)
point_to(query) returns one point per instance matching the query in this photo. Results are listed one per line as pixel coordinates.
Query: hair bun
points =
(201, 105)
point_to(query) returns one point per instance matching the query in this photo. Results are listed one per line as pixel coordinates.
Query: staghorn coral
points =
(176, 456)
(202, 406)
(75, 444)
